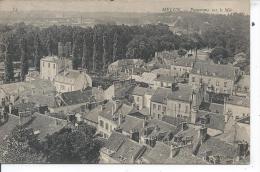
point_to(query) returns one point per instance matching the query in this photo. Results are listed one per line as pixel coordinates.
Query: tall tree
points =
(94, 55)
(24, 58)
(84, 55)
(104, 57)
(5, 43)
(74, 55)
(115, 41)
(37, 54)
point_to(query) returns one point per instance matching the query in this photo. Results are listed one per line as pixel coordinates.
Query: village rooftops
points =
(239, 101)
(182, 93)
(165, 78)
(113, 109)
(141, 91)
(122, 149)
(216, 120)
(77, 97)
(160, 95)
(214, 70)
(185, 62)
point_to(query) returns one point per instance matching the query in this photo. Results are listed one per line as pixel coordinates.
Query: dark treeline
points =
(104, 44)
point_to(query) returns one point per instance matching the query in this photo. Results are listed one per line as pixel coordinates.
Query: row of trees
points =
(94, 48)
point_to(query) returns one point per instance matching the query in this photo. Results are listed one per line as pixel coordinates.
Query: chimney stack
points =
(203, 134)
(174, 151)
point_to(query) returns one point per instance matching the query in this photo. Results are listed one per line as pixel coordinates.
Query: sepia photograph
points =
(125, 82)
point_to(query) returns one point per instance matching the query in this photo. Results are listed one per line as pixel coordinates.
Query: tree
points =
(37, 54)
(72, 145)
(104, 57)
(182, 52)
(115, 41)
(24, 58)
(84, 55)
(6, 44)
(74, 55)
(220, 55)
(94, 55)
(23, 146)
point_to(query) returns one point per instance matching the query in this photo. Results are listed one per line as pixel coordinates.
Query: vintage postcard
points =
(125, 82)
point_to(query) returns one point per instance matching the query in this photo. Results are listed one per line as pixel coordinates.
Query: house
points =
(161, 71)
(72, 80)
(218, 78)
(126, 65)
(16, 70)
(119, 89)
(159, 102)
(164, 81)
(119, 149)
(111, 116)
(146, 77)
(183, 102)
(236, 107)
(142, 97)
(51, 66)
(181, 67)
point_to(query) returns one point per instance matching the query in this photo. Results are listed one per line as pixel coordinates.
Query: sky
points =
(122, 5)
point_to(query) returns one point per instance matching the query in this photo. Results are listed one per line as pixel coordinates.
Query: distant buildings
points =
(125, 65)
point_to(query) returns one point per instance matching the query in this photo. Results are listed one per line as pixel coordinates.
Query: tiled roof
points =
(165, 78)
(214, 70)
(159, 154)
(77, 97)
(141, 91)
(217, 147)
(239, 101)
(160, 95)
(183, 93)
(217, 121)
(185, 62)
(124, 148)
(131, 123)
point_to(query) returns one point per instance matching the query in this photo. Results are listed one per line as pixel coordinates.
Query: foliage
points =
(72, 146)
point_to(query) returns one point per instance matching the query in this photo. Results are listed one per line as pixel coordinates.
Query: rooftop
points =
(239, 101)
(141, 91)
(77, 97)
(165, 78)
(214, 70)
(185, 62)
(160, 95)
(183, 93)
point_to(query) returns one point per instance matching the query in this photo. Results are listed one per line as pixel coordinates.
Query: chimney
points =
(174, 151)
(184, 126)
(203, 134)
(119, 119)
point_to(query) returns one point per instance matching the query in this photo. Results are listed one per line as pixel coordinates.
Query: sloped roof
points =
(183, 93)
(77, 97)
(160, 95)
(185, 62)
(239, 101)
(131, 123)
(214, 70)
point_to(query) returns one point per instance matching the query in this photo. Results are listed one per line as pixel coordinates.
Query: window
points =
(225, 84)
(42, 64)
(107, 126)
(159, 107)
(179, 107)
(111, 128)
(53, 66)
(186, 109)
(101, 123)
(164, 108)
(217, 83)
(154, 106)
(193, 79)
(49, 65)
